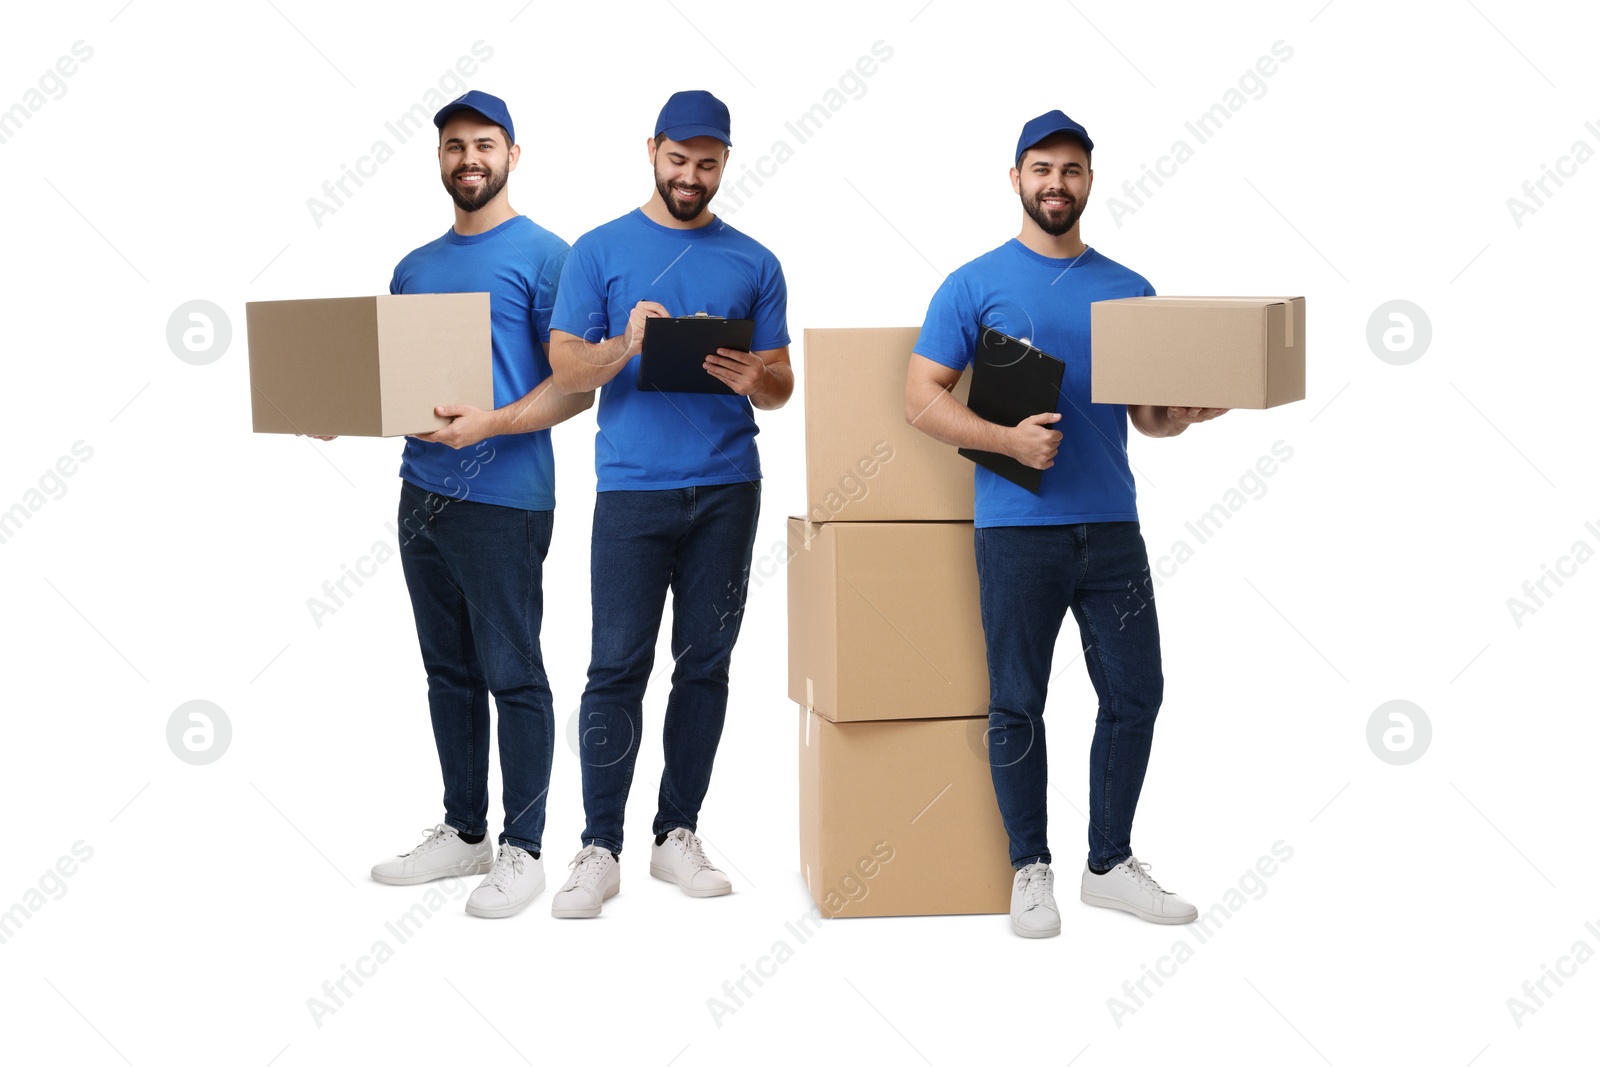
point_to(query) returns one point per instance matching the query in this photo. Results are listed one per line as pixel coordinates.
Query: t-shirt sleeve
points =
(544, 291)
(771, 311)
(950, 329)
(580, 304)
(396, 286)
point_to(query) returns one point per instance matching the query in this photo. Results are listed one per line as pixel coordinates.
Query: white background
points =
(175, 563)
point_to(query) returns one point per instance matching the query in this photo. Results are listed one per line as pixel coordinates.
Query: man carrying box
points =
(1073, 544)
(475, 526)
(679, 490)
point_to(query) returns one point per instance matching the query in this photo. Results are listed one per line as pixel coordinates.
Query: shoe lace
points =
(694, 853)
(1141, 874)
(588, 865)
(1036, 890)
(507, 865)
(432, 837)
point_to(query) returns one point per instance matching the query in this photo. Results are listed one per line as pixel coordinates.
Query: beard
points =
(1055, 223)
(678, 210)
(471, 199)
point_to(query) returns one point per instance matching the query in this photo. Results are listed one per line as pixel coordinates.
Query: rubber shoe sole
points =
(1122, 905)
(482, 867)
(573, 912)
(1048, 931)
(665, 874)
(503, 913)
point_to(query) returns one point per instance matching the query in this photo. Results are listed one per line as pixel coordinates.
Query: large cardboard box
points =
(899, 818)
(367, 366)
(884, 620)
(1199, 351)
(864, 462)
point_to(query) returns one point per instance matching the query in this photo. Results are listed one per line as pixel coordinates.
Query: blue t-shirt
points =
(1022, 294)
(650, 440)
(518, 263)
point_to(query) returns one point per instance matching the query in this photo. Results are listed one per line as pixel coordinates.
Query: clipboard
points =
(673, 357)
(1011, 380)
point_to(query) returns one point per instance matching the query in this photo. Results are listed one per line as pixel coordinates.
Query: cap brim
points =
(688, 131)
(1077, 134)
(446, 113)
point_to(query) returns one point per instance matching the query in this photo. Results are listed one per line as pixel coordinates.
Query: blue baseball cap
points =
(695, 113)
(490, 107)
(1050, 122)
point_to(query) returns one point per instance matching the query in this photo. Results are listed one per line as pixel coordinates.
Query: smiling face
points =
(474, 159)
(1053, 181)
(687, 173)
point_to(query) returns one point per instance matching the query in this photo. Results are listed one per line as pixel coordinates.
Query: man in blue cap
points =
(477, 504)
(679, 490)
(1075, 544)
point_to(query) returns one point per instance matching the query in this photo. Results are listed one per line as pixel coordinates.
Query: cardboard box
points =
(367, 366)
(884, 620)
(1199, 351)
(864, 462)
(899, 818)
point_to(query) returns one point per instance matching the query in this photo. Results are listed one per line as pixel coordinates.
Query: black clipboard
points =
(673, 357)
(1011, 380)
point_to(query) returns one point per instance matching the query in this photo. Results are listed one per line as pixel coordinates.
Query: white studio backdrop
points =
(1436, 153)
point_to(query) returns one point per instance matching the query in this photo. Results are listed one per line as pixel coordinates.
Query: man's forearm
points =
(777, 386)
(944, 418)
(581, 367)
(543, 407)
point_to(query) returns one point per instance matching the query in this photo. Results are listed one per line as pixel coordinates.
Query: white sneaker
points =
(516, 878)
(595, 878)
(681, 859)
(1129, 888)
(442, 854)
(1033, 902)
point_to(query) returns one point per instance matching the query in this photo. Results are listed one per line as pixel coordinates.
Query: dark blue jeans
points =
(697, 543)
(1028, 577)
(474, 572)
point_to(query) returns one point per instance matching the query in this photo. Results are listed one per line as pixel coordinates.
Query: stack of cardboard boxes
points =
(886, 651)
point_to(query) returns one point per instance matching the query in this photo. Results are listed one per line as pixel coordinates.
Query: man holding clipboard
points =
(1073, 544)
(679, 489)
